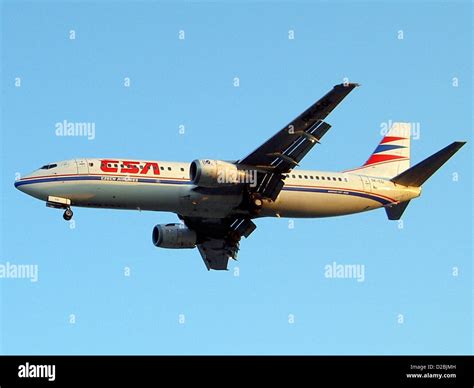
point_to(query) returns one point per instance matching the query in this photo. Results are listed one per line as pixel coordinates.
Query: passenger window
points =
(182, 169)
(162, 168)
(334, 179)
(340, 179)
(293, 176)
(317, 177)
(323, 178)
(311, 177)
(306, 177)
(169, 168)
(299, 176)
(91, 164)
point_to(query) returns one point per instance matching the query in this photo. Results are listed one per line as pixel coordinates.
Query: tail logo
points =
(382, 154)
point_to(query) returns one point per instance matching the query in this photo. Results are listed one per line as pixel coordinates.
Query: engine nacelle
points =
(173, 236)
(215, 173)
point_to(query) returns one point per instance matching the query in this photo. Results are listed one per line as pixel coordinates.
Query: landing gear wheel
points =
(256, 204)
(68, 214)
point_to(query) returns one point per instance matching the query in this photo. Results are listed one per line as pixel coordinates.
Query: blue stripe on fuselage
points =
(99, 178)
(339, 191)
(186, 182)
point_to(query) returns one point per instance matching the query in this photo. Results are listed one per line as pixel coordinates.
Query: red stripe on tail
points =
(388, 139)
(382, 158)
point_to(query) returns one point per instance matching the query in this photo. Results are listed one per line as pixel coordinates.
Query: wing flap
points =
(216, 253)
(220, 238)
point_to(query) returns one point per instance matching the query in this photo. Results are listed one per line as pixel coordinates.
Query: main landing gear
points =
(256, 203)
(68, 214)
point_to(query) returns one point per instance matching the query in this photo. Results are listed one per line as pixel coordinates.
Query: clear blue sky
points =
(190, 82)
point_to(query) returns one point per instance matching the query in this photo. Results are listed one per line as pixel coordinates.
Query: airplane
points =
(217, 201)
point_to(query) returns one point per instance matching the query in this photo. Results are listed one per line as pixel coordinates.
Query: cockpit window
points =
(48, 166)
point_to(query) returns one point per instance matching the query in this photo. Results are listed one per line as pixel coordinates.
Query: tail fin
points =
(392, 155)
(419, 173)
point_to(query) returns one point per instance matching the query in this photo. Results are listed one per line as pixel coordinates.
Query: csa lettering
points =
(146, 167)
(129, 167)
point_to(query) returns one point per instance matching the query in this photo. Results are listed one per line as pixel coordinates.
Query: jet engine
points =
(173, 236)
(214, 173)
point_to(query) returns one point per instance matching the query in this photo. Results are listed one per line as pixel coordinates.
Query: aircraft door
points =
(82, 166)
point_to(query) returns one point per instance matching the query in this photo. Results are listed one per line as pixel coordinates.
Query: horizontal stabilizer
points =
(395, 212)
(418, 174)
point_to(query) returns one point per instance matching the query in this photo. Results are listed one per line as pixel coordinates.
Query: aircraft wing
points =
(283, 151)
(216, 253)
(219, 239)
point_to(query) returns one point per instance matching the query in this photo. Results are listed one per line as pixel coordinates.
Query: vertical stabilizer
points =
(392, 155)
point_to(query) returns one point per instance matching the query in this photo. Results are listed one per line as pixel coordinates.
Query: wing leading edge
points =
(308, 126)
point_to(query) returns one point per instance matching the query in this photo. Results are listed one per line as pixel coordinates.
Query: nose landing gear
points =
(61, 203)
(68, 214)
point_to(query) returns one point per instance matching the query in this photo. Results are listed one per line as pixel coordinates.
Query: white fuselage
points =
(166, 186)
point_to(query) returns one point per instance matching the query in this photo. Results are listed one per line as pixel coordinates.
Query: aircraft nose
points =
(31, 184)
(20, 184)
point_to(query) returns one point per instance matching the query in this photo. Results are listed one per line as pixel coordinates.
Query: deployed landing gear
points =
(68, 214)
(256, 204)
(61, 203)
